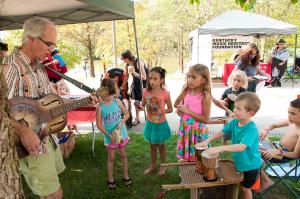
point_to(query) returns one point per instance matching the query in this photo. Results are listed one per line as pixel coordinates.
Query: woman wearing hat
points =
(279, 57)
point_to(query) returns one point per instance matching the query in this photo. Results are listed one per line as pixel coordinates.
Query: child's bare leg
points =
(137, 114)
(110, 164)
(162, 152)
(56, 195)
(124, 162)
(153, 148)
(265, 180)
(246, 193)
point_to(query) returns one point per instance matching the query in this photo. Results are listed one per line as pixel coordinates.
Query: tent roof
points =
(245, 23)
(13, 13)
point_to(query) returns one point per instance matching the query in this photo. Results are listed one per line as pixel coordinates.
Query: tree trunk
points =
(92, 69)
(90, 51)
(10, 181)
(104, 67)
(128, 35)
(181, 48)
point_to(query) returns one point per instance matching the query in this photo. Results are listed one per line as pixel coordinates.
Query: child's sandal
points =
(111, 185)
(127, 181)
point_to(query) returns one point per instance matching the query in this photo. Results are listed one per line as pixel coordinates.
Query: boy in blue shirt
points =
(245, 141)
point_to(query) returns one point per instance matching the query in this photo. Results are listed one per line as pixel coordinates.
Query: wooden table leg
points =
(94, 137)
(194, 193)
(234, 191)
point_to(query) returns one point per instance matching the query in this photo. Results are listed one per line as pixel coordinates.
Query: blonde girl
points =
(193, 104)
(238, 83)
(109, 119)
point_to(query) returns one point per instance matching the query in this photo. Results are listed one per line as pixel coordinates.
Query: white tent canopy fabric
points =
(13, 13)
(245, 23)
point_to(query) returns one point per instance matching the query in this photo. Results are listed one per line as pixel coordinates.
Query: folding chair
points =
(285, 178)
(293, 72)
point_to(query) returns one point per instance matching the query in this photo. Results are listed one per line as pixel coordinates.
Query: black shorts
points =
(136, 94)
(136, 90)
(250, 177)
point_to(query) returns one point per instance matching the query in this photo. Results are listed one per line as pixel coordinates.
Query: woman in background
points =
(131, 67)
(248, 61)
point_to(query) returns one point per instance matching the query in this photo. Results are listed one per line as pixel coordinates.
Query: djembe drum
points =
(210, 163)
(116, 134)
(199, 164)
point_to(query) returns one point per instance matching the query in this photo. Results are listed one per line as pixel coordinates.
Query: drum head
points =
(197, 147)
(207, 155)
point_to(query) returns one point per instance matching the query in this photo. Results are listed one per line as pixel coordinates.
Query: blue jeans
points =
(252, 86)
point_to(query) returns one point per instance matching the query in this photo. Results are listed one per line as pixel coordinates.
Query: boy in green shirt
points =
(245, 141)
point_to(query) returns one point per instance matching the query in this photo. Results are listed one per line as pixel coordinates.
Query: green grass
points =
(85, 176)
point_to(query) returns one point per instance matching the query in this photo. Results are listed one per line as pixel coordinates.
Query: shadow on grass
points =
(85, 175)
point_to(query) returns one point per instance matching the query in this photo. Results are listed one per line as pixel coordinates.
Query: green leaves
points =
(294, 1)
(246, 5)
(194, 1)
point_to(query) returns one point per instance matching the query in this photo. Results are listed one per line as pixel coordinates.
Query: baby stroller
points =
(118, 74)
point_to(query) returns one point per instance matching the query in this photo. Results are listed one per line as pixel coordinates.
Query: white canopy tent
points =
(237, 23)
(245, 23)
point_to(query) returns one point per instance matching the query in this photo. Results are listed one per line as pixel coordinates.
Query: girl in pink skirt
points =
(193, 105)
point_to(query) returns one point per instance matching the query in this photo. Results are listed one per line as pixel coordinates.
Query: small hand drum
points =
(210, 162)
(199, 164)
(116, 134)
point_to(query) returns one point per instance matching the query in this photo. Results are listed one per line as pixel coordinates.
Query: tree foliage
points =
(246, 5)
(163, 27)
(85, 38)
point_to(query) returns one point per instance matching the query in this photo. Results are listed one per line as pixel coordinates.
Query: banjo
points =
(46, 115)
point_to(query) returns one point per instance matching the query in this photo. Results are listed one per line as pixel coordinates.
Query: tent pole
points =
(295, 54)
(138, 58)
(114, 42)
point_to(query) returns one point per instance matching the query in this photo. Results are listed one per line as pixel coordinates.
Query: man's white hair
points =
(34, 27)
